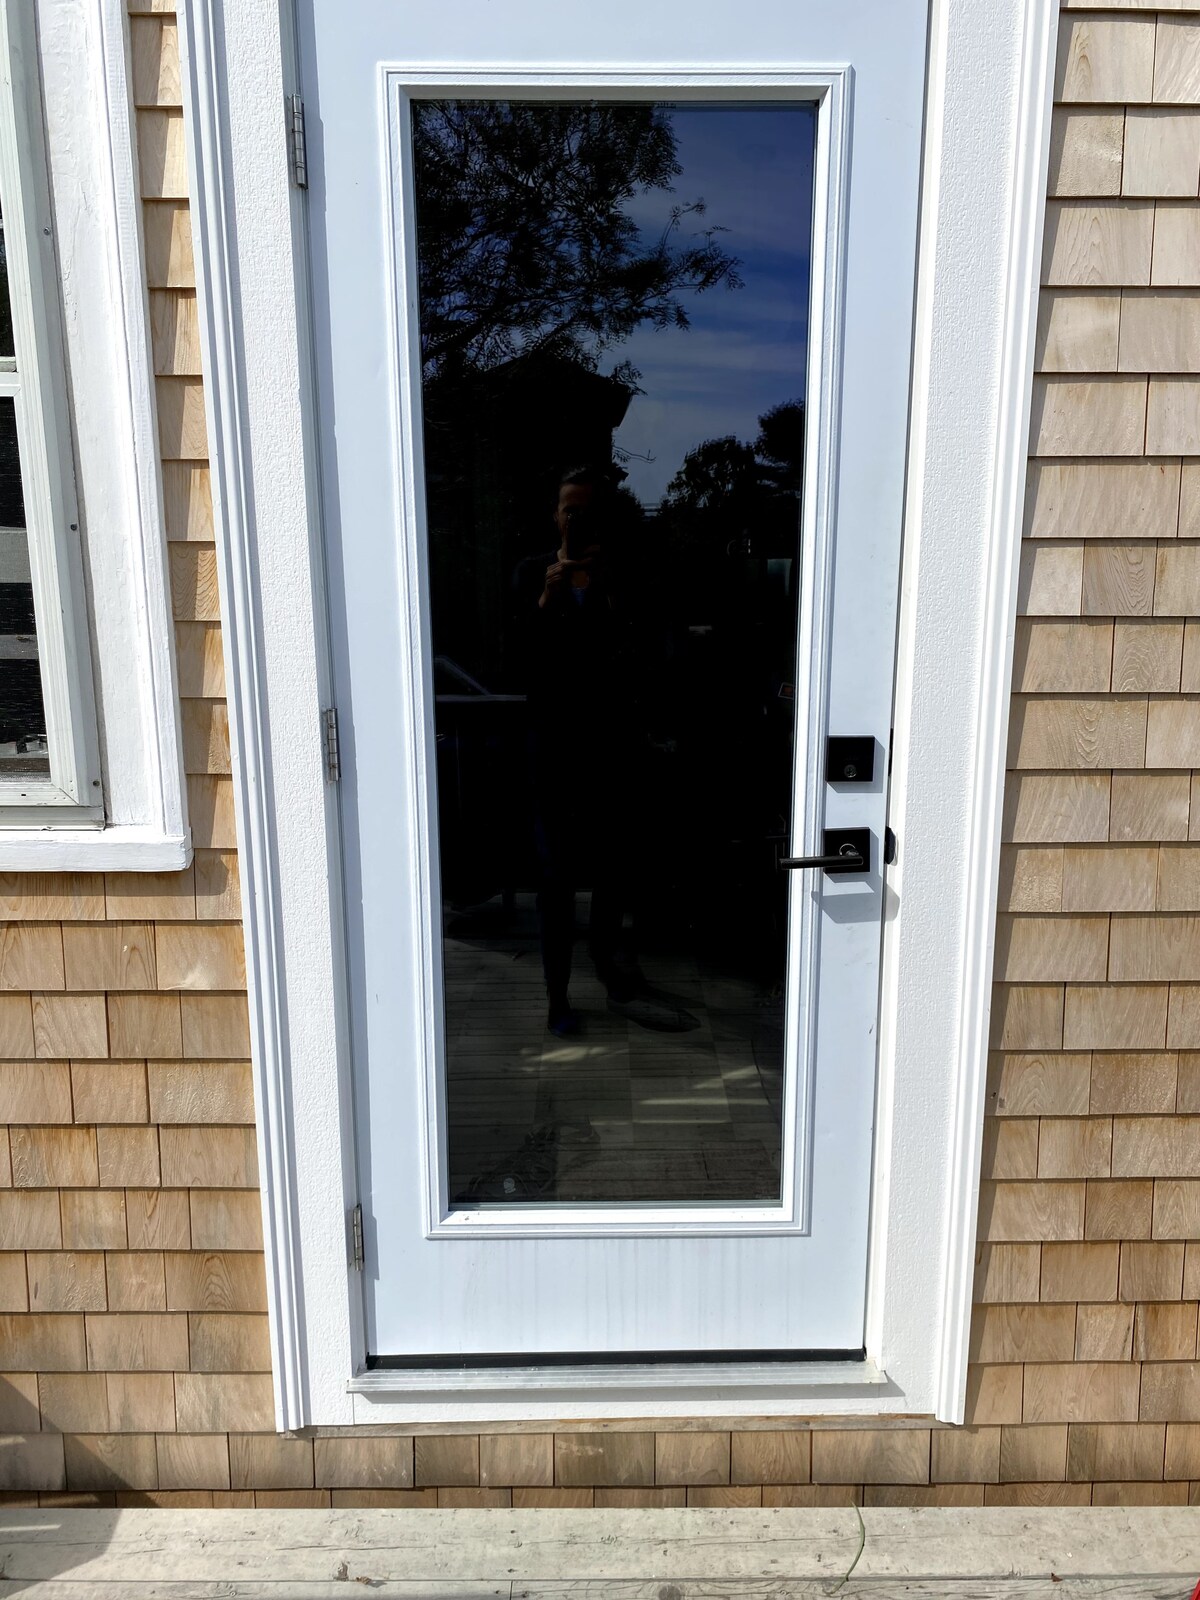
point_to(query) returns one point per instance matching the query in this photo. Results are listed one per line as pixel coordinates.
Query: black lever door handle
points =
(846, 850)
(846, 860)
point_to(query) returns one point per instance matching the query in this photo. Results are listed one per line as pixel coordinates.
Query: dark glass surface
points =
(6, 328)
(613, 312)
(23, 751)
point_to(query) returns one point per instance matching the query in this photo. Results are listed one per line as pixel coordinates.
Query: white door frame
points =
(983, 188)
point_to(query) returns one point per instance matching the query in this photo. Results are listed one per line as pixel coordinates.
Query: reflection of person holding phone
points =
(582, 693)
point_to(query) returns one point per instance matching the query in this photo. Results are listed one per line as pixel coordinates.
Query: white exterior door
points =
(612, 315)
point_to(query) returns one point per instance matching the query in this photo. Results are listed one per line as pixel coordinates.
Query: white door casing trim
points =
(275, 659)
(968, 451)
(1024, 224)
(982, 202)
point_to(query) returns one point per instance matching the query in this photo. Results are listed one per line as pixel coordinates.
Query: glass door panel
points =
(613, 324)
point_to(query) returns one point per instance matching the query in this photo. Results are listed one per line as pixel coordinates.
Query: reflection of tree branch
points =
(525, 242)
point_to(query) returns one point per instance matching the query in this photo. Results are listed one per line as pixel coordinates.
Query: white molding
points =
(973, 365)
(828, 89)
(238, 583)
(136, 419)
(986, 136)
(82, 51)
(1027, 218)
(127, 848)
(828, 254)
(274, 658)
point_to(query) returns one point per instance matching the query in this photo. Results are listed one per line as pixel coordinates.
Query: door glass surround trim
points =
(829, 90)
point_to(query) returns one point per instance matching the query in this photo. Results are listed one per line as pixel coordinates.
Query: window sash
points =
(36, 381)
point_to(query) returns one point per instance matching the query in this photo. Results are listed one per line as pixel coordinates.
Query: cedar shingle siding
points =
(132, 1295)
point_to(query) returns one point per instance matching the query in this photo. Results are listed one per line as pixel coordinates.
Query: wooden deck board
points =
(602, 1589)
(1072, 1554)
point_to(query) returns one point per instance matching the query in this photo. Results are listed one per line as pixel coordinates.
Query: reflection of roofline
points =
(518, 366)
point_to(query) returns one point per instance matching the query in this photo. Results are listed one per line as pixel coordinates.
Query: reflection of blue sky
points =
(746, 348)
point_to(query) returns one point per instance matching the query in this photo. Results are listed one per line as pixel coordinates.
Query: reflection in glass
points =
(23, 748)
(6, 328)
(613, 316)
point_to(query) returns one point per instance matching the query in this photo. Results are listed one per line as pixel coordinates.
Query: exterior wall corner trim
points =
(1035, 90)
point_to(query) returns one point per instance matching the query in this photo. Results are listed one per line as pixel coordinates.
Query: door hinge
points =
(889, 847)
(297, 143)
(357, 1253)
(333, 758)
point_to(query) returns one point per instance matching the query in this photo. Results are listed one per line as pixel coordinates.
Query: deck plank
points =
(881, 1553)
(1162, 1587)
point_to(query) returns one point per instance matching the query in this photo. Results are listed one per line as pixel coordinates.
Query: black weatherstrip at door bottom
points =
(620, 1358)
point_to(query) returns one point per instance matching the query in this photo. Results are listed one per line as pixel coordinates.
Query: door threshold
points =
(592, 1391)
(818, 1375)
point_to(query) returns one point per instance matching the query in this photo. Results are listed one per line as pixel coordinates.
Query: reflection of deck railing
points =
(477, 693)
(483, 698)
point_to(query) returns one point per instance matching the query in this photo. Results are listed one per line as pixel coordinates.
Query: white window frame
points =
(983, 189)
(89, 452)
(35, 381)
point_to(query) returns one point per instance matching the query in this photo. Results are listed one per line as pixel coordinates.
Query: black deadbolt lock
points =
(849, 759)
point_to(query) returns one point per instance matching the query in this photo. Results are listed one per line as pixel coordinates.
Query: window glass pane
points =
(23, 750)
(614, 322)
